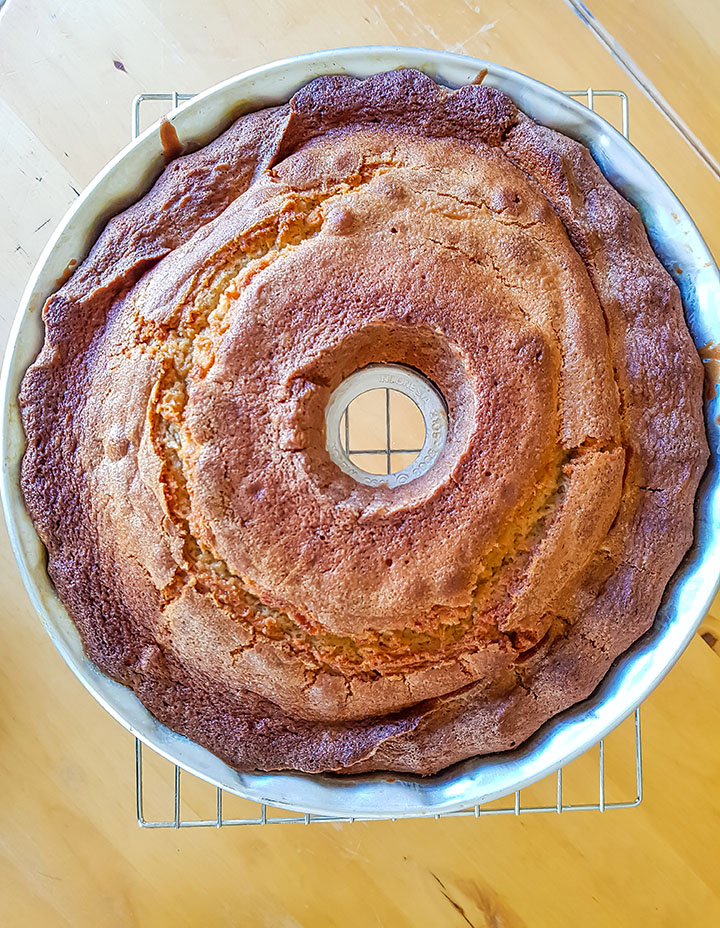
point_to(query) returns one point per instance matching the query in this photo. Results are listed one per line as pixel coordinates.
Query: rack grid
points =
(512, 804)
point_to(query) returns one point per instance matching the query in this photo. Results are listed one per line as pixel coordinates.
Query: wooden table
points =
(70, 851)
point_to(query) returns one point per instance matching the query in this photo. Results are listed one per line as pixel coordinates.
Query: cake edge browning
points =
(663, 429)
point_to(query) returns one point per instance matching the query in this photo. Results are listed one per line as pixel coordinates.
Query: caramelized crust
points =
(214, 558)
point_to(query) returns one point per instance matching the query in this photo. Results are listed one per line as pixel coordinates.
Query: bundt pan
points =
(680, 248)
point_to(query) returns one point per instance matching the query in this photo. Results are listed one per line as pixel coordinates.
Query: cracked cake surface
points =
(216, 560)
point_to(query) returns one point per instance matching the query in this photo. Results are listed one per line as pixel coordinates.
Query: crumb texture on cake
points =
(211, 554)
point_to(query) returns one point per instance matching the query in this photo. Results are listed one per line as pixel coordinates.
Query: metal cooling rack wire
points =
(266, 815)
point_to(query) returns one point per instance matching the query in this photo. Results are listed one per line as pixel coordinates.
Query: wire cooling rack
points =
(164, 780)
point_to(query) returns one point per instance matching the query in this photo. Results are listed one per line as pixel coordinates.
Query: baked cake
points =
(214, 558)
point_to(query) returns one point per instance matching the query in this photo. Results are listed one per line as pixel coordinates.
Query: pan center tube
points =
(385, 425)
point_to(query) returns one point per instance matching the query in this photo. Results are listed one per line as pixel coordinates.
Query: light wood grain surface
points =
(70, 851)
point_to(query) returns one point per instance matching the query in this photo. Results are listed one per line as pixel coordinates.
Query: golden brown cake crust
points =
(212, 556)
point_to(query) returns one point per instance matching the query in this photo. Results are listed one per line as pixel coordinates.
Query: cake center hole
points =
(382, 431)
(386, 424)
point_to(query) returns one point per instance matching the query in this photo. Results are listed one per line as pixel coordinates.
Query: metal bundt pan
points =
(634, 675)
